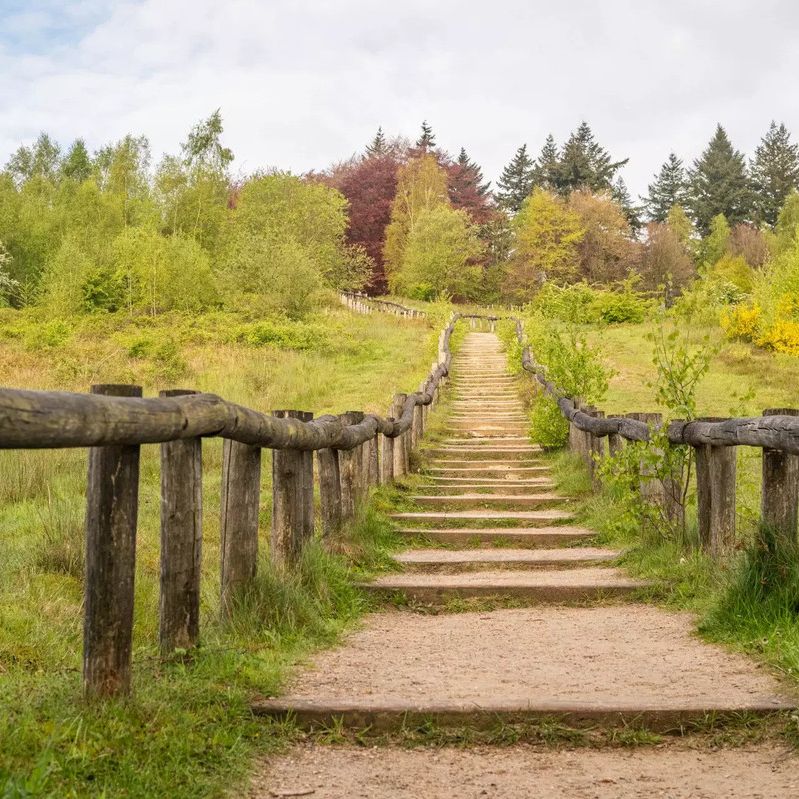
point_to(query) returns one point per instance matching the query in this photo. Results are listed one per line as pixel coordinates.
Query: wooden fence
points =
(354, 452)
(713, 440)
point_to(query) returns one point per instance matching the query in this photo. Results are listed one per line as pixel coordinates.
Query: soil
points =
(519, 772)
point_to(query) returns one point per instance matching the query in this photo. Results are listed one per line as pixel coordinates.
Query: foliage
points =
(439, 256)
(720, 183)
(741, 322)
(572, 365)
(669, 188)
(733, 269)
(606, 250)
(421, 186)
(585, 164)
(516, 181)
(666, 264)
(580, 303)
(774, 173)
(468, 190)
(547, 235)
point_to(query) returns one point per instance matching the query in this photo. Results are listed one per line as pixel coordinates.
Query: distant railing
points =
(363, 303)
(355, 451)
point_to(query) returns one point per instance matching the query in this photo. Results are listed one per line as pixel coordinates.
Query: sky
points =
(304, 83)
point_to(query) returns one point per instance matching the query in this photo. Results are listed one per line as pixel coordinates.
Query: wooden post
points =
(615, 444)
(387, 461)
(240, 505)
(181, 540)
(596, 454)
(112, 501)
(373, 452)
(400, 444)
(575, 433)
(348, 471)
(780, 493)
(715, 491)
(291, 485)
(327, 461)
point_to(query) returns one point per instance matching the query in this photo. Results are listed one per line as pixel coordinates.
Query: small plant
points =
(61, 546)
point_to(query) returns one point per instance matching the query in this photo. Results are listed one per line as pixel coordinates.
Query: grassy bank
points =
(186, 730)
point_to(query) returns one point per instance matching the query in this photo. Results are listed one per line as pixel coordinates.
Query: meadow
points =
(186, 730)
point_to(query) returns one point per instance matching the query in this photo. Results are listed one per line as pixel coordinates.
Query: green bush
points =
(582, 304)
(286, 334)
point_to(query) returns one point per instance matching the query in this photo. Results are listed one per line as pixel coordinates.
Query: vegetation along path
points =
(506, 625)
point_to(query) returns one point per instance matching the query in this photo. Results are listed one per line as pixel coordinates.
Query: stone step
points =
(449, 561)
(510, 501)
(529, 538)
(532, 518)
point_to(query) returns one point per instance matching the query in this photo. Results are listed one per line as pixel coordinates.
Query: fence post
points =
(348, 470)
(780, 492)
(112, 501)
(387, 459)
(292, 487)
(240, 504)
(574, 432)
(400, 442)
(181, 540)
(596, 453)
(715, 493)
(327, 461)
(373, 453)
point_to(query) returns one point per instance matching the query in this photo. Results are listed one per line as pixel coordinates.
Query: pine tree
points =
(517, 181)
(585, 164)
(719, 184)
(427, 139)
(621, 195)
(378, 144)
(472, 170)
(547, 165)
(668, 189)
(775, 173)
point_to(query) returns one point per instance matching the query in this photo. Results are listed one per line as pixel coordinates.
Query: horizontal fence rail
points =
(340, 457)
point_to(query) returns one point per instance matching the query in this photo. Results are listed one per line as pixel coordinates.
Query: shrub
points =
(285, 334)
(583, 304)
(611, 308)
(741, 322)
(782, 336)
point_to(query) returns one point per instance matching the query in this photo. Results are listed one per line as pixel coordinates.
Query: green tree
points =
(669, 188)
(516, 181)
(440, 256)
(77, 164)
(378, 145)
(717, 242)
(547, 234)
(787, 229)
(585, 164)
(421, 186)
(719, 184)
(775, 173)
(547, 165)
(427, 139)
(122, 174)
(39, 161)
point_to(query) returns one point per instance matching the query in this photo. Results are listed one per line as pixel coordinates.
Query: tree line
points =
(109, 231)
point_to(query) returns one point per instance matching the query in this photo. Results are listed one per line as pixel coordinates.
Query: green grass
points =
(186, 730)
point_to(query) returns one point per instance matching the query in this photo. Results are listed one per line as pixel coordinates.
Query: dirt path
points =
(581, 653)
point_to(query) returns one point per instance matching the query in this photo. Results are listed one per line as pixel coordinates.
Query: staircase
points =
(489, 492)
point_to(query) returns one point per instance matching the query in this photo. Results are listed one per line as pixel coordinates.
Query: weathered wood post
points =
(400, 442)
(575, 434)
(586, 442)
(240, 505)
(373, 453)
(181, 540)
(292, 513)
(615, 444)
(112, 502)
(327, 461)
(597, 453)
(348, 470)
(780, 492)
(387, 459)
(715, 493)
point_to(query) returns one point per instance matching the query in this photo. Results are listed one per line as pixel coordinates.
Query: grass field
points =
(186, 731)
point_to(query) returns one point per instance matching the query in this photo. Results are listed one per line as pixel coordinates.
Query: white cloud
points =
(306, 82)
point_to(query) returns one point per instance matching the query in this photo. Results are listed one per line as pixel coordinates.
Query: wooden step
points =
(544, 586)
(460, 560)
(531, 518)
(529, 538)
(539, 500)
(482, 489)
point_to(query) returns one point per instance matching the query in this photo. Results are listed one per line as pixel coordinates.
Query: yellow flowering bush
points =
(742, 322)
(782, 336)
